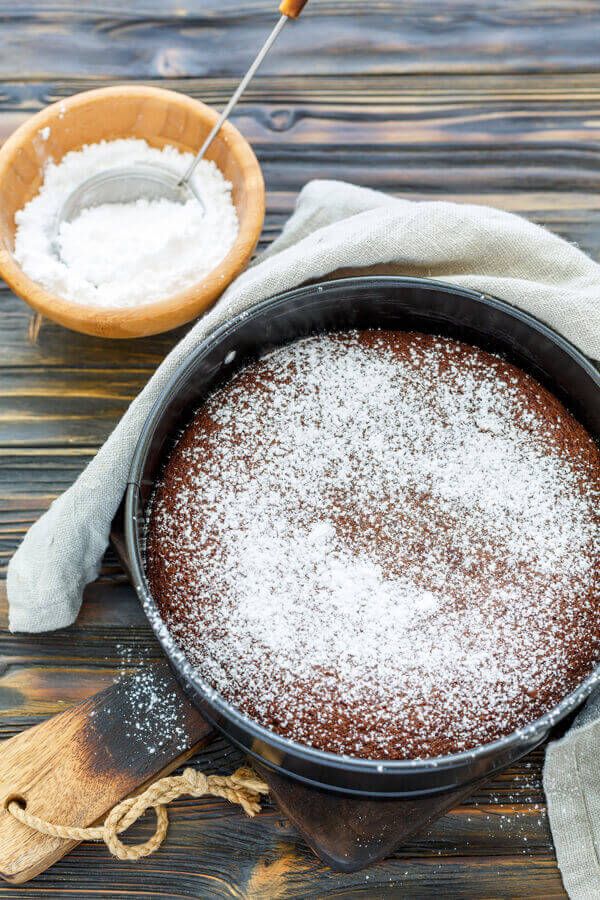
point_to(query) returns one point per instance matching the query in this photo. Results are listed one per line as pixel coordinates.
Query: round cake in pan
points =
(382, 544)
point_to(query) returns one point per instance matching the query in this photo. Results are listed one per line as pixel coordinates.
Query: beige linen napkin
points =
(572, 785)
(337, 226)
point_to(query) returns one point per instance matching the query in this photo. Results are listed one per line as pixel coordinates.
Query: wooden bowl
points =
(160, 117)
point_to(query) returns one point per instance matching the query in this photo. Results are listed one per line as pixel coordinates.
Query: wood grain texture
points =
(195, 38)
(496, 103)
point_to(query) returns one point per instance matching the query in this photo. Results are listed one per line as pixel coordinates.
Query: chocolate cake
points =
(382, 544)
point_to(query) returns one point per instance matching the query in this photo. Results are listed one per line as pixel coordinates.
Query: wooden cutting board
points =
(73, 768)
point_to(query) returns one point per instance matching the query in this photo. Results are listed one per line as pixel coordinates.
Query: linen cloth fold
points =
(338, 228)
(572, 786)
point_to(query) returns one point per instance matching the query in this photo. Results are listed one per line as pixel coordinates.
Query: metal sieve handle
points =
(290, 9)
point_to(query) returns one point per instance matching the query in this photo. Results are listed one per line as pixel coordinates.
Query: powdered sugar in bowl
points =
(95, 294)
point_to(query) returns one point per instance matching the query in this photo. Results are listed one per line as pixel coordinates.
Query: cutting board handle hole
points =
(15, 798)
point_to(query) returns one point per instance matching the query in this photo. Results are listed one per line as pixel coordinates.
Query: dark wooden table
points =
(496, 102)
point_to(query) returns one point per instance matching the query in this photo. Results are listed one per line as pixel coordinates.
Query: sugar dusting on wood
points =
(153, 715)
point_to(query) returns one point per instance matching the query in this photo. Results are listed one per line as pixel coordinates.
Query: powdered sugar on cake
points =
(382, 544)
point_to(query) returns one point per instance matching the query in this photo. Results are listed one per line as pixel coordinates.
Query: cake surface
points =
(382, 544)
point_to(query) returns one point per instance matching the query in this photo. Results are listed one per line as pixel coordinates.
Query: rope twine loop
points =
(242, 787)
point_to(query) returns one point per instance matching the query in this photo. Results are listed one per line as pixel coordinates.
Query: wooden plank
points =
(206, 37)
(497, 113)
(42, 408)
(286, 874)
(210, 853)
